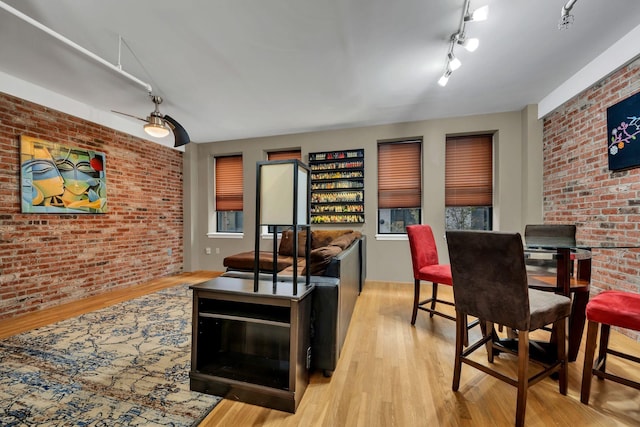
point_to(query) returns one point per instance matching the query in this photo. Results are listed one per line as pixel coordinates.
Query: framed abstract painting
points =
(55, 178)
(623, 133)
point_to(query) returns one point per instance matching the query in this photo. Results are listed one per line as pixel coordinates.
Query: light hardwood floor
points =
(393, 374)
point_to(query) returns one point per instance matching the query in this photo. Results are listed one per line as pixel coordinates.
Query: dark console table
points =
(251, 346)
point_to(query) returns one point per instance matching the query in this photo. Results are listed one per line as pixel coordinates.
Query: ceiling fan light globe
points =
(156, 130)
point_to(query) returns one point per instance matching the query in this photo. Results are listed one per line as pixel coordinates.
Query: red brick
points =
(579, 188)
(42, 255)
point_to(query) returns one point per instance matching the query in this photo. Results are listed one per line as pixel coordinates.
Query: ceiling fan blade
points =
(180, 133)
(129, 115)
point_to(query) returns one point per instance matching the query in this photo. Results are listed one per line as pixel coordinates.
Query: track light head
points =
(442, 81)
(480, 14)
(469, 44)
(454, 63)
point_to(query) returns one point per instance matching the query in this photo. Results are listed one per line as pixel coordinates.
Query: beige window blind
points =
(469, 171)
(284, 155)
(399, 175)
(228, 183)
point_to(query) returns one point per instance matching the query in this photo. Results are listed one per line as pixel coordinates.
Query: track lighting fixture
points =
(460, 38)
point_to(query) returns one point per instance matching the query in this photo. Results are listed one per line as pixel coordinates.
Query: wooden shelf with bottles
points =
(337, 187)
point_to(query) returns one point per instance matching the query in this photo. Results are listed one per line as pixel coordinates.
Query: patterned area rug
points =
(124, 365)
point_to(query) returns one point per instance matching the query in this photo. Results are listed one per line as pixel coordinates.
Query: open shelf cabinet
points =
(251, 346)
(337, 187)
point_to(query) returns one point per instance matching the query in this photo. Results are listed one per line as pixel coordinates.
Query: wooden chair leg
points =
(466, 331)
(561, 344)
(523, 377)
(587, 367)
(434, 297)
(488, 329)
(416, 301)
(602, 350)
(460, 332)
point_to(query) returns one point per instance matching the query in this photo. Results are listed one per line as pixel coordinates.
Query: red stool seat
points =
(438, 273)
(609, 308)
(615, 308)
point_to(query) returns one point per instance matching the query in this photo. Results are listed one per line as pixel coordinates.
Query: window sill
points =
(391, 237)
(225, 235)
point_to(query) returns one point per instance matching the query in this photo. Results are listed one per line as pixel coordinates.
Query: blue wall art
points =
(60, 179)
(623, 133)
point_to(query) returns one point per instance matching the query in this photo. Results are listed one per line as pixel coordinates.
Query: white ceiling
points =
(231, 69)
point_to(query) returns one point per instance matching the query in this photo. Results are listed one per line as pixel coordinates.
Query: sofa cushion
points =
(286, 243)
(320, 238)
(344, 241)
(245, 261)
(321, 257)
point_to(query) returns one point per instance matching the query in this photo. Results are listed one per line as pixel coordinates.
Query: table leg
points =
(564, 270)
(576, 323)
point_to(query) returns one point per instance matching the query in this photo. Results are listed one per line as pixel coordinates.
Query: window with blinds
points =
(399, 185)
(284, 155)
(469, 182)
(229, 194)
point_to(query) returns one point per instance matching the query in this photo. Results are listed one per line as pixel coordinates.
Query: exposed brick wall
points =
(580, 189)
(49, 259)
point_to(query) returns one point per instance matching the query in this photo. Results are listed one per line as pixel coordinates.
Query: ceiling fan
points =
(158, 125)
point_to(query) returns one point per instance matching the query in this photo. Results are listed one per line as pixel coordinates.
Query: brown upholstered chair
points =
(490, 283)
(427, 267)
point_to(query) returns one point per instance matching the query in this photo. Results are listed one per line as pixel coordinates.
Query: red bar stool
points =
(609, 308)
(427, 267)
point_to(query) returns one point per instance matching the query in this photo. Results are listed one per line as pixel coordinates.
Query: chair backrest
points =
(423, 247)
(550, 234)
(489, 276)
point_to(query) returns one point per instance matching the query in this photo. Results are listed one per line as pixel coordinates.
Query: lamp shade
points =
(283, 192)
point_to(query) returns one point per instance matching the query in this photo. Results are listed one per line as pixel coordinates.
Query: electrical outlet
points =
(207, 251)
(169, 251)
(217, 251)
